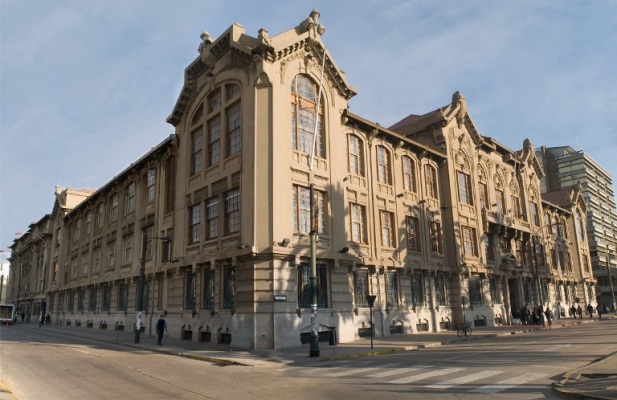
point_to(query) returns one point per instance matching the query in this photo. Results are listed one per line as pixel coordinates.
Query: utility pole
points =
(314, 348)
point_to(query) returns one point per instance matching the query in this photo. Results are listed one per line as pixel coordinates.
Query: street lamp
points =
(142, 281)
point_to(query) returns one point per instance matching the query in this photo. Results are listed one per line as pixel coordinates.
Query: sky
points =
(86, 86)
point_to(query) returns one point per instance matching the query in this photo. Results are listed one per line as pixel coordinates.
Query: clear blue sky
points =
(86, 86)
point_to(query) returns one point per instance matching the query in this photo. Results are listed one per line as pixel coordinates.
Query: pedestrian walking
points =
(161, 327)
(579, 312)
(549, 316)
(590, 310)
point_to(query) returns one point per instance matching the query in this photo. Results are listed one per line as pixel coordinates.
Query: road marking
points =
(395, 371)
(508, 383)
(415, 378)
(464, 379)
(557, 347)
(351, 372)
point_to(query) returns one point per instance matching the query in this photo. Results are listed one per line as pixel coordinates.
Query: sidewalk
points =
(594, 381)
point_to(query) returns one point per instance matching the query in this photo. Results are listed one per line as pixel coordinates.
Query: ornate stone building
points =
(428, 215)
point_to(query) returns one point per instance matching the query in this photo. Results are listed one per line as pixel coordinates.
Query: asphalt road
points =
(37, 364)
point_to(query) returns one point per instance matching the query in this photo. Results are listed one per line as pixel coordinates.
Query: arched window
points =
(305, 118)
(578, 220)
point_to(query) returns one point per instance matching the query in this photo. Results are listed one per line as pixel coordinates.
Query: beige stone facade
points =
(426, 215)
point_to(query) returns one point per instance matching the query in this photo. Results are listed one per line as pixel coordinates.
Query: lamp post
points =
(314, 347)
(142, 281)
(43, 301)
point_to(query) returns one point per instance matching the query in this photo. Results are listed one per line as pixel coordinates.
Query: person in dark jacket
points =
(161, 327)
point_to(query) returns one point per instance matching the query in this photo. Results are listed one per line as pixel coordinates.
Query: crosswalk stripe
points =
(351, 372)
(465, 379)
(508, 383)
(415, 378)
(395, 371)
(558, 346)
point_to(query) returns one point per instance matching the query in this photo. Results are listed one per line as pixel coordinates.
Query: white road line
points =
(351, 372)
(415, 378)
(559, 346)
(465, 379)
(395, 371)
(508, 383)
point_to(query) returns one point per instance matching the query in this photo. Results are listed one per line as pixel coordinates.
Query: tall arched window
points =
(384, 173)
(578, 220)
(409, 174)
(356, 155)
(305, 118)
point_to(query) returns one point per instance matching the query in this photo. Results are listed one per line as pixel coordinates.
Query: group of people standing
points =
(536, 316)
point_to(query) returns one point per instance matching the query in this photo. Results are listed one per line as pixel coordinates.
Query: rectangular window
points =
(196, 152)
(440, 290)
(383, 166)
(212, 217)
(356, 156)
(106, 298)
(464, 188)
(88, 227)
(388, 238)
(470, 244)
(150, 181)
(100, 215)
(214, 140)
(233, 129)
(229, 287)
(128, 249)
(167, 246)
(195, 224)
(84, 264)
(417, 289)
(170, 184)
(123, 296)
(94, 293)
(232, 211)
(431, 181)
(409, 174)
(475, 290)
(435, 236)
(208, 289)
(189, 299)
(81, 294)
(129, 199)
(391, 289)
(111, 254)
(361, 287)
(301, 208)
(533, 211)
(413, 233)
(96, 259)
(358, 223)
(113, 209)
(304, 285)
(70, 302)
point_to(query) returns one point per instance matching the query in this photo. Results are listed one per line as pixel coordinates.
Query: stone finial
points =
(263, 38)
(204, 48)
(459, 100)
(527, 145)
(312, 25)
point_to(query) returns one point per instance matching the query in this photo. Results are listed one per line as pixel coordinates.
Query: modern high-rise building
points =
(565, 167)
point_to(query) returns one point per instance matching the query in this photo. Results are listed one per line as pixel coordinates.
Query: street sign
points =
(280, 297)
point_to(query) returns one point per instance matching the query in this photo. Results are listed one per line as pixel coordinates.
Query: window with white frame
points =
(409, 174)
(306, 118)
(194, 224)
(388, 235)
(232, 211)
(356, 155)
(301, 208)
(358, 223)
